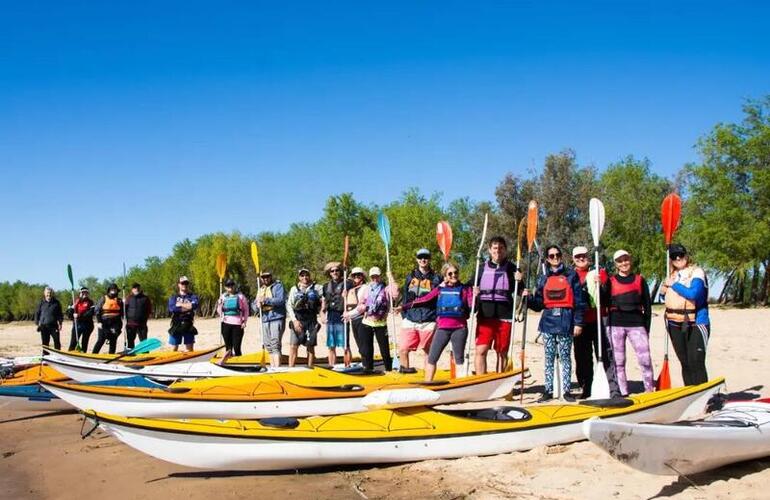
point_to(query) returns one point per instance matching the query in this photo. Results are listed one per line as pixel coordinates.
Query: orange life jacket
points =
(111, 307)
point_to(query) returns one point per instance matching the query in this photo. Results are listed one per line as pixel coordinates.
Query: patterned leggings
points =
(562, 344)
(640, 341)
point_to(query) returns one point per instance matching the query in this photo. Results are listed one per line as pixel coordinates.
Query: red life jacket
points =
(557, 292)
(589, 314)
(626, 297)
(82, 306)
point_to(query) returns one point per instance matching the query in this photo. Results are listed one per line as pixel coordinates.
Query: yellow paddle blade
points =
(255, 256)
(221, 265)
(531, 224)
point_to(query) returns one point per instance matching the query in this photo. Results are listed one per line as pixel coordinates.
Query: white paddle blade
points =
(600, 388)
(596, 214)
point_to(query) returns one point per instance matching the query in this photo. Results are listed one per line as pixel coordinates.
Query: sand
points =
(43, 456)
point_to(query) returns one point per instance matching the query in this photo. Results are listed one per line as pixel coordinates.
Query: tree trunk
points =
(725, 289)
(754, 291)
(654, 290)
(764, 292)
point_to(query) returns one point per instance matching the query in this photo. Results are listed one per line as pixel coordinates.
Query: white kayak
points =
(82, 371)
(293, 395)
(151, 358)
(740, 431)
(386, 436)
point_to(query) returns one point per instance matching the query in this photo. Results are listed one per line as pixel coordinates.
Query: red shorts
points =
(495, 333)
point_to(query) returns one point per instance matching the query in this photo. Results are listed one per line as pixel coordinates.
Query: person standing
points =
(138, 312)
(82, 314)
(495, 286)
(182, 306)
(109, 316)
(302, 309)
(48, 318)
(354, 298)
(628, 298)
(419, 322)
(560, 298)
(687, 314)
(586, 344)
(271, 305)
(233, 310)
(374, 306)
(333, 305)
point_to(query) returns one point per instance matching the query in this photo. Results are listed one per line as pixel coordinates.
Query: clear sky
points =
(125, 128)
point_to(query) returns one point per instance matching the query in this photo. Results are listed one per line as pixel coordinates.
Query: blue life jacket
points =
(230, 305)
(450, 302)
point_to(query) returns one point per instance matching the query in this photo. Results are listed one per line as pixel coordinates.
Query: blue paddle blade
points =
(383, 226)
(146, 346)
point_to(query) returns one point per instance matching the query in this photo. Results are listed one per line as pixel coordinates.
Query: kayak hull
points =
(383, 436)
(153, 358)
(30, 398)
(278, 399)
(686, 449)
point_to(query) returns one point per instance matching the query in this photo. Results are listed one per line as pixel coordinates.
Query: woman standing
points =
(353, 299)
(687, 314)
(233, 310)
(630, 315)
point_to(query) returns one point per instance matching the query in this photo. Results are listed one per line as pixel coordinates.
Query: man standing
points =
(333, 306)
(48, 318)
(586, 344)
(138, 311)
(182, 306)
(303, 307)
(82, 312)
(109, 315)
(271, 304)
(419, 322)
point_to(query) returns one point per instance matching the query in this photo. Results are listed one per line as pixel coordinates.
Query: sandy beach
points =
(43, 456)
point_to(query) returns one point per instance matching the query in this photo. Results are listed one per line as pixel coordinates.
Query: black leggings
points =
(233, 336)
(110, 331)
(690, 341)
(355, 329)
(48, 332)
(586, 346)
(84, 329)
(458, 337)
(132, 331)
(366, 335)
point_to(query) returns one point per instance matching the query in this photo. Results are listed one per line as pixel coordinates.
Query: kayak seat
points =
(176, 390)
(497, 414)
(280, 422)
(431, 383)
(608, 403)
(336, 388)
(715, 423)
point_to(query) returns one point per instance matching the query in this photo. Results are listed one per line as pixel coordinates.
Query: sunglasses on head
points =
(554, 255)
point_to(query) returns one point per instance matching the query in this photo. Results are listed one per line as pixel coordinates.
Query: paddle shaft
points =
(525, 304)
(473, 323)
(598, 303)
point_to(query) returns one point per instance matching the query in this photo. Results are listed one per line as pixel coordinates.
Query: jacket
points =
(561, 320)
(138, 309)
(49, 313)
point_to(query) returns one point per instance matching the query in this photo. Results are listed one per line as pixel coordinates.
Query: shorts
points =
(414, 335)
(309, 335)
(272, 333)
(181, 332)
(181, 338)
(495, 333)
(335, 335)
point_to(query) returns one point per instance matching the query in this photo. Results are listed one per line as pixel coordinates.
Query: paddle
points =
(444, 240)
(531, 235)
(383, 227)
(347, 356)
(600, 387)
(472, 318)
(221, 267)
(519, 241)
(74, 321)
(125, 318)
(670, 216)
(146, 345)
(255, 261)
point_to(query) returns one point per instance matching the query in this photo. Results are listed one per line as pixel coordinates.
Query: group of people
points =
(435, 308)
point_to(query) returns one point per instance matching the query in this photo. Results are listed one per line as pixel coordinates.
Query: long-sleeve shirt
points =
(691, 284)
(49, 313)
(391, 293)
(175, 306)
(243, 310)
(273, 301)
(445, 322)
(629, 318)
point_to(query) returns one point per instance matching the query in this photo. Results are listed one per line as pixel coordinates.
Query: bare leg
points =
(403, 358)
(481, 359)
(189, 347)
(293, 354)
(310, 356)
(332, 356)
(430, 371)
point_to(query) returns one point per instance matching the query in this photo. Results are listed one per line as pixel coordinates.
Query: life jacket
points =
(231, 306)
(376, 302)
(266, 292)
(494, 284)
(111, 307)
(82, 306)
(450, 302)
(557, 292)
(352, 301)
(679, 309)
(333, 293)
(307, 302)
(626, 297)
(589, 313)
(419, 284)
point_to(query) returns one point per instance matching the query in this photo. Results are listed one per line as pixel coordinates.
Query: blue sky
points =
(125, 128)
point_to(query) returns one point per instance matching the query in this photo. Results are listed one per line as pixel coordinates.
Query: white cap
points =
(375, 271)
(619, 254)
(182, 279)
(357, 270)
(579, 251)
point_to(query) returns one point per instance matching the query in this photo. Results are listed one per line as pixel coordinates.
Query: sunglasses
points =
(184, 282)
(581, 256)
(677, 256)
(452, 273)
(304, 275)
(554, 256)
(334, 270)
(423, 258)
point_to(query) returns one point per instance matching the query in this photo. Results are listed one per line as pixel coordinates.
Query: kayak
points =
(738, 432)
(154, 358)
(82, 371)
(387, 436)
(317, 392)
(32, 375)
(263, 357)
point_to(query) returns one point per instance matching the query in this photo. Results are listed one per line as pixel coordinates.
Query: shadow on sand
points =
(733, 471)
(39, 415)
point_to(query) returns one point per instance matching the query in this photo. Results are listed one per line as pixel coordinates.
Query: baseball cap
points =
(579, 251)
(183, 279)
(357, 270)
(266, 272)
(229, 282)
(676, 249)
(423, 252)
(303, 270)
(375, 271)
(619, 254)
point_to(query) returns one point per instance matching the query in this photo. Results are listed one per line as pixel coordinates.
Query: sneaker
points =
(547, 396)
(403, 369)
(568, 397)
(585, 394)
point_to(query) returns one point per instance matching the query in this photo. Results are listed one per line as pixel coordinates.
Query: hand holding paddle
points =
(670, 216)
(532, 220)
(600, 388)
(383, 227)
(444, 240)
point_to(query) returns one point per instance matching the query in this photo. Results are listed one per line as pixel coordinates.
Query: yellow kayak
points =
(147, 359)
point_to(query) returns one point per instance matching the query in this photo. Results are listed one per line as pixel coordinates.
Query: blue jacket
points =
(564, 322)
(277, 302)
(418, 284)
(177, 313)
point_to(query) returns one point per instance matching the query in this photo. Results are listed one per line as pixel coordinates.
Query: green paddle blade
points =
(145, 346)
(69, 275)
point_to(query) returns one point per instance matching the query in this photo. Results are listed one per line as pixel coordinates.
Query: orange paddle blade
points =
(444, 238)
(531, 224)
(346, 252)
(221, 265)
(670, 215)
(664, 379)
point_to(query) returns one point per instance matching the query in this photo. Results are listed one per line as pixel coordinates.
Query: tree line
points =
(724, 224)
